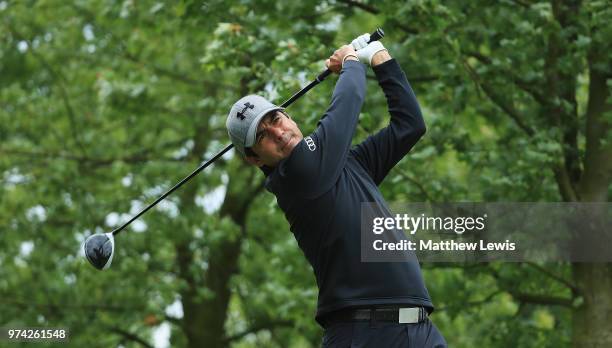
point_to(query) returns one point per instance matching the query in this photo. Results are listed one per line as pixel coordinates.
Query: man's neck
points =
(266, 170)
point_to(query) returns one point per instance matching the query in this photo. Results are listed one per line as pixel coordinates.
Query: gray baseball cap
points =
(244, 117)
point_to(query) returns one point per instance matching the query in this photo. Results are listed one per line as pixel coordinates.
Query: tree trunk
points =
(204, 316)
(207, 295)
(591, 319)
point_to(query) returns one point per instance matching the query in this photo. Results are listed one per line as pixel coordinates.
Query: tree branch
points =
(185, 78)
(60, 83)
(497, 100)
(542, 299)
(550, 274)
(532, 298)
(130, 336)
(566, 189)
(137, 157)
(360, 5)
(526, 86)
(530, 88)
(373, 10)
(560, 86)
(522, 3)
(164, 72)
(174, 320)
(263, 326)
(133, 159)
(487, 299)
(85, 307)
(420, 186)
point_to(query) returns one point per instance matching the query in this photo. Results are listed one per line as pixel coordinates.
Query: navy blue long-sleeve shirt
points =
(321, 185)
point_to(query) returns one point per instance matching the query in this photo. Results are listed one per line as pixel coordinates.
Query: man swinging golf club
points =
(99, 248)
(320, 182)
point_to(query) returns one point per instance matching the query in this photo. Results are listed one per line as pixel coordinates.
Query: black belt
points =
(401, 315)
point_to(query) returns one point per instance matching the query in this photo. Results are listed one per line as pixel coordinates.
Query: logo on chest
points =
(311, 144)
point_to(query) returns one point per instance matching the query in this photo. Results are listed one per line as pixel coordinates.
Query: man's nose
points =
(276, 133)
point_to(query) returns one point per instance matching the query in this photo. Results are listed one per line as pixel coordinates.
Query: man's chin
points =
(291, 145)
(286, 150)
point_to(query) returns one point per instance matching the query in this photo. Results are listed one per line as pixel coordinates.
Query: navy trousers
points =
(361, 334)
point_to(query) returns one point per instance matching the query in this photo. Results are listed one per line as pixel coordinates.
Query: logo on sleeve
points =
(311, 144)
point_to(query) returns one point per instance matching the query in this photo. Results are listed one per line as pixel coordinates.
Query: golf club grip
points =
(375, 36)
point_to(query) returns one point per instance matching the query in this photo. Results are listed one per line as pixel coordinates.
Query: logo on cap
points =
(247, 105)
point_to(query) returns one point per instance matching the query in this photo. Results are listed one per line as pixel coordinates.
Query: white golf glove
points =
(366, 51)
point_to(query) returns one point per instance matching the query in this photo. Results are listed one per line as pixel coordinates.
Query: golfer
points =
(320, 182)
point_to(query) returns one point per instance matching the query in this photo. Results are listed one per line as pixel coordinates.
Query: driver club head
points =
(99, 250)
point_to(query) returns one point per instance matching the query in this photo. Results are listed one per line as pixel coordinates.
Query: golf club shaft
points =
(174, 188)
(375, 36)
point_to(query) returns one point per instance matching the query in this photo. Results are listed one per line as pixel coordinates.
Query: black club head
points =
(99, 250)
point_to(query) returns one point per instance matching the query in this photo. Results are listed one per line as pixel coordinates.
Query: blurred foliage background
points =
(106, 104)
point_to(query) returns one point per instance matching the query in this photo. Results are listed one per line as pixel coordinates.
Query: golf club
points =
(100, 248)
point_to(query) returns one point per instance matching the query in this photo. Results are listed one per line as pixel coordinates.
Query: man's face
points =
(276, 137)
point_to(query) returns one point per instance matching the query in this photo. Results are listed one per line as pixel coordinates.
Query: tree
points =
(105, 105)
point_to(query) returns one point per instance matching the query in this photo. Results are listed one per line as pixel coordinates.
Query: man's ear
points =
(254, 160)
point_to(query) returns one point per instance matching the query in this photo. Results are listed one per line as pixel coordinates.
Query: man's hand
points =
(372, 53)
(342, 54)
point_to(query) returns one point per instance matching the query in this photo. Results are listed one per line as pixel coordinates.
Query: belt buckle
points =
(409, 315)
